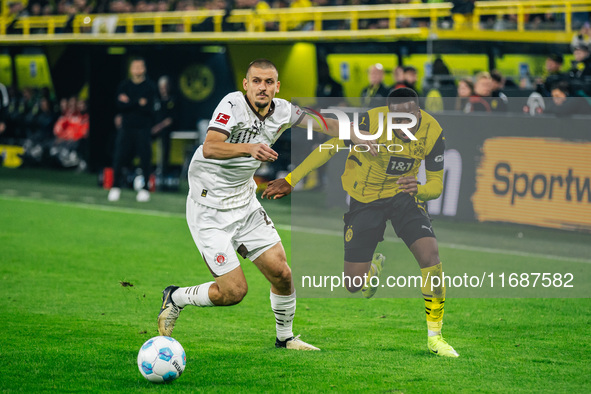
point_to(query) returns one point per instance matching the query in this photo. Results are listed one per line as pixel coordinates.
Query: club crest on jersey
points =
(349, 234)
(418, 149)
(220, 259)
(222, 118)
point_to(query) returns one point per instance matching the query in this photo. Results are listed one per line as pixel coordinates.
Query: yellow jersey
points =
(368, 178)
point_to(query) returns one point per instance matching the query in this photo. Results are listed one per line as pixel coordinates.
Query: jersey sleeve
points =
(434, 169)
(432, 188)
(363, 121)
(434, 159)
(224, 118)
(363, 124)
(297, 115)
(317, 158)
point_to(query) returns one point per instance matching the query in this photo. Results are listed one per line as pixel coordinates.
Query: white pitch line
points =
(10, 192)
(332, 233)
(97, 207)
(514, 253)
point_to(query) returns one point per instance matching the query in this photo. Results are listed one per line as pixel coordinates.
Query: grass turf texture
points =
(72, 325)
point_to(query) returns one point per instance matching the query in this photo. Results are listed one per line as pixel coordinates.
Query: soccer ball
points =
(161, 359)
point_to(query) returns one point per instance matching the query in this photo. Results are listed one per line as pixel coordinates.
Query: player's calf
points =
(231, 296)
(273, 264)
(355, 275)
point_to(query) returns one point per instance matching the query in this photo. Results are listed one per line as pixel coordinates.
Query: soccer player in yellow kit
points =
(382, 188)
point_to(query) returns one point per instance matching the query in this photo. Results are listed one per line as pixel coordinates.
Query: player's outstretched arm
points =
(330, 127)
(277, 189)
(429, 191)
(317, 158)
(433, 188)
(215, 147)
(408, 184)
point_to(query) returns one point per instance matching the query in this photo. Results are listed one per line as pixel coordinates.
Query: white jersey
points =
(229, 183)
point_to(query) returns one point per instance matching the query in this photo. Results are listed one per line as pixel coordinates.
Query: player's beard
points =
(260, 104)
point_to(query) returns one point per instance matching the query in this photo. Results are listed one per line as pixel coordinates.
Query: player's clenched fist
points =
(277, 189)
(262, 152)
(408, 184)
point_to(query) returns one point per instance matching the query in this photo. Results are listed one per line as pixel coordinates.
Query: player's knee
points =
(282, 278)
(235, 294)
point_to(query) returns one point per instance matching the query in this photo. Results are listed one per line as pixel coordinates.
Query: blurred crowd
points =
(52, 132)
(461, 8)
(567, 89)
(69, 7)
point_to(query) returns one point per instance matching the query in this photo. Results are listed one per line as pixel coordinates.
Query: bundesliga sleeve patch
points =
(222, 118)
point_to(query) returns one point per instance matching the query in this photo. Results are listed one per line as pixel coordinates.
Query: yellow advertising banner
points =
(537, 181)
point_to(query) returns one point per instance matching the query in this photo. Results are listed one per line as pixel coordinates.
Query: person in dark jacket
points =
(553, 67)
(580, 73)
(135, 100)
(167, 114)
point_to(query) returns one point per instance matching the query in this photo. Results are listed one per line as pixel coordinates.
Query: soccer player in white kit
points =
(223, 213)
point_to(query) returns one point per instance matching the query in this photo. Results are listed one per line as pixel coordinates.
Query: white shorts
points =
(218, 234)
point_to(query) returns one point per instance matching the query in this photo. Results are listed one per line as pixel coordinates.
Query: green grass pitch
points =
(71, 326)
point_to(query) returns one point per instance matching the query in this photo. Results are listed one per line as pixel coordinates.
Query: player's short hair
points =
(261, 63)
(409, 68)
(402, 95)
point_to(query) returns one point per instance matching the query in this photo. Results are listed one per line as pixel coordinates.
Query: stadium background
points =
(72, 55)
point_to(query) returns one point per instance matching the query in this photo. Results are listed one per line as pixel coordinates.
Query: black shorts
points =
(365, 224)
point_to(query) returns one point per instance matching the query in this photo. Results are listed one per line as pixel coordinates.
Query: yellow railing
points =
(523, 8)
(288, 18)
(295, 16)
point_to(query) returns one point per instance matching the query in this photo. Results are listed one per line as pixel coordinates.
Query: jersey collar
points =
(261, 118)
(418, 128)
